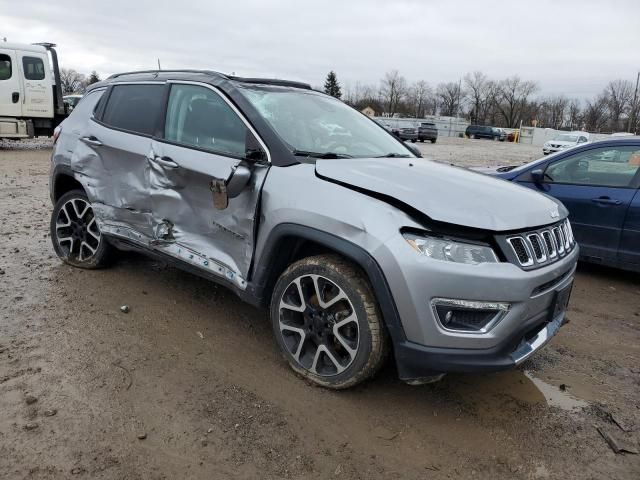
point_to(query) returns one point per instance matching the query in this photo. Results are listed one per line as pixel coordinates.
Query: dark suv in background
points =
(427, 131)
(402, 130)
(482, 131)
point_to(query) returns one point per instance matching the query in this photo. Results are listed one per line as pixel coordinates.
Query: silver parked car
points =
(297, 202)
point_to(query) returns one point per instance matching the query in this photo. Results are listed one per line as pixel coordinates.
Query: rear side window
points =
(5, 67)
(84, 109)
(33, 68)
(134, 108)
(199, 117)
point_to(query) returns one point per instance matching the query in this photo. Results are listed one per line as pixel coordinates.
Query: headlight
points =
(450, 250)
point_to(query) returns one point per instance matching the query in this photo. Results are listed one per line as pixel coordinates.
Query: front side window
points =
(607, 167)
(5, 67)
(313, 124)
(135, 108)
(199, 117)
(33, 68)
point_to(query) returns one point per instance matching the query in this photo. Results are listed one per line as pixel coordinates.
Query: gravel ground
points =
(188, 384)
(464, 152)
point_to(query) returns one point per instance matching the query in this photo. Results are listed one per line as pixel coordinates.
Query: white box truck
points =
(30, 91)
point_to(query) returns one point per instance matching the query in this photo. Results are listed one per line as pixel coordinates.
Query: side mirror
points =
(415, 150)
(537, 176)
(238, 180)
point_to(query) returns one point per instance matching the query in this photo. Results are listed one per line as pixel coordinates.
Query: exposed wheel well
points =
(65, 183)
(291, 249)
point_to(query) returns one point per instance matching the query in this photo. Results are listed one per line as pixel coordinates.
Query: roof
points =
(144, 74)
(23, 46)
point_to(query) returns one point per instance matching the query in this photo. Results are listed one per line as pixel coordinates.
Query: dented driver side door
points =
(203, 142)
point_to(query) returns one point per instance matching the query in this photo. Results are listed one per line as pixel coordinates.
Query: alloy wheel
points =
(76, 230)
(319, 325)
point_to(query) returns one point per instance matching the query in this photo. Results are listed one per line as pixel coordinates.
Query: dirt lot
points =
(188, 384)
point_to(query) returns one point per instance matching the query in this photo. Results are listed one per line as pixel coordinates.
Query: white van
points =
(30, 94)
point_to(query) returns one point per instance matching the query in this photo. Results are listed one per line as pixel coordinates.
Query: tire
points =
(413, 141)
(74, 232)
(472, 137)
(329, 355)
(433, 140)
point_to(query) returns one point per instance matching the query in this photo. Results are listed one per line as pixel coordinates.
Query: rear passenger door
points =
(38, 91)
(203, 140)
(115, 165)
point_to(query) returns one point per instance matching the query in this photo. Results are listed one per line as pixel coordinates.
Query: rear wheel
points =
(433, 140)
(327, 323)
(74, 232)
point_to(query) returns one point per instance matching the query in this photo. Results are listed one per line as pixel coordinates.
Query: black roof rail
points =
(205, 72)
(272, 81)
(46, 45)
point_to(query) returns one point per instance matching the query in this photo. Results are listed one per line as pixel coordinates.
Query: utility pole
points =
(634, 106)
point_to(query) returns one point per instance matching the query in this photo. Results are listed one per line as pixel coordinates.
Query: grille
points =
(549, 244)
(520, 249)
(538, 248)
(543, 246)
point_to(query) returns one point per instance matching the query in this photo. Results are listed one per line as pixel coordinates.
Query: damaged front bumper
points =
(536, 302)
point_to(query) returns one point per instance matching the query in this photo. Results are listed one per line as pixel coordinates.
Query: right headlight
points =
(451, 250)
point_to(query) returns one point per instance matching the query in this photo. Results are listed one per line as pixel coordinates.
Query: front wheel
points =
(326, 322)
(74, 232)
(433, 140)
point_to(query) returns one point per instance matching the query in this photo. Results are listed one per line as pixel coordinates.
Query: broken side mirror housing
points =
(238, 181)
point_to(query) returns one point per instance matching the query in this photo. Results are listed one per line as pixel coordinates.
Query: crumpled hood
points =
(447, 194)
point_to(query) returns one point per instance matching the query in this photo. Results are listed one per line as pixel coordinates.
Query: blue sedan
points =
(599, 184)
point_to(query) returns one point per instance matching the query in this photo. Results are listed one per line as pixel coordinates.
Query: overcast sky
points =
(568, 47)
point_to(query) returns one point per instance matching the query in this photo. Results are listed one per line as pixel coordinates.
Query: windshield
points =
(565, 137)
(315, 125)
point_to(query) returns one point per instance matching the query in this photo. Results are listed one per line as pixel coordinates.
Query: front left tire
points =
(75, 234)
(327, 323)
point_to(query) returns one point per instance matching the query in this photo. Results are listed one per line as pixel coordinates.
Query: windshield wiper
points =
(304, 153)
(394, 155)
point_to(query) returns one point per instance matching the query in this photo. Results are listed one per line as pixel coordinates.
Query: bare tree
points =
(71, 81)
(393, 89)
(450, 97)
(512, 97)
(419, 95)
(574, 114)
(595, 113)
(619, 96)
(552, 111)
(481, 93)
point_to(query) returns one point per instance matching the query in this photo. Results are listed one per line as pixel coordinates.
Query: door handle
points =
(606, 201)
(164, 162)
(92, 141)
(15, 97)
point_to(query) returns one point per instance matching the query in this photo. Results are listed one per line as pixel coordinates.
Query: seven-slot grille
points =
(542, 246)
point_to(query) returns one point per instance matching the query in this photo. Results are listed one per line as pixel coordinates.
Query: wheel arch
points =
(63, 181)
(289, 242)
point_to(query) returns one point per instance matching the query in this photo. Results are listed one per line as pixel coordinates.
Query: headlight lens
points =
(450, 250)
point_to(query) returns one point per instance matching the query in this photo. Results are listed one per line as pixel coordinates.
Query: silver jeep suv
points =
(297, 202)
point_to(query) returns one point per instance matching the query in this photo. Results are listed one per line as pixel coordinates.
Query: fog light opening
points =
(468, 316)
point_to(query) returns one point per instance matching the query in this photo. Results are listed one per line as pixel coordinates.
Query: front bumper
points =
(425, 348)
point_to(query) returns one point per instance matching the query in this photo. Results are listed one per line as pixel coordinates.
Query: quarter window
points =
(135, 108)
(33, 68)
(606, 167)
(5, 67)
(199, 117)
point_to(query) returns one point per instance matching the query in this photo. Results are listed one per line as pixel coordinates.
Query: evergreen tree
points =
(331, 85)
(93, 78)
